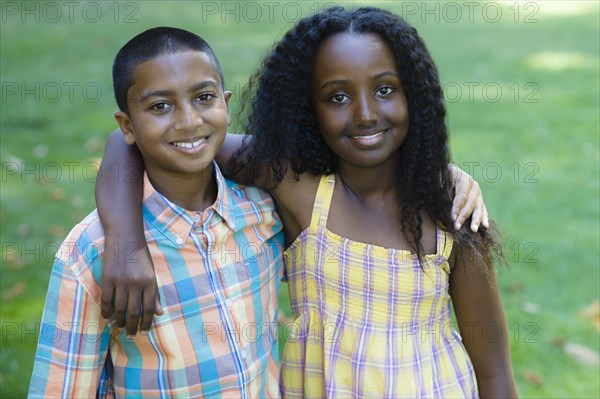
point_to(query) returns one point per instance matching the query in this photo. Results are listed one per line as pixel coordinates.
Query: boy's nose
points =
(188, 119)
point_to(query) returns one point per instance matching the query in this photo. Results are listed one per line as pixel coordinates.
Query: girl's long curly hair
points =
(285, 132)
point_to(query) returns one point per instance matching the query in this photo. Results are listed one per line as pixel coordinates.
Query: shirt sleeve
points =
(73, 340)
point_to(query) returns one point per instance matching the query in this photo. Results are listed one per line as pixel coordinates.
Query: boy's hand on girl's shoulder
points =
(128, 276)
(468, 200)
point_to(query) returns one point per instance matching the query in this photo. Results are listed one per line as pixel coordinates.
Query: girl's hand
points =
(468, 200)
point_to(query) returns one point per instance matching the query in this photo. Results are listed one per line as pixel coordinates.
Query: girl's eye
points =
(385, 90)
(160, 106)
(205, 97)
(339, 98)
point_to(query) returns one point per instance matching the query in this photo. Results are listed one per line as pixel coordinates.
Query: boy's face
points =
(178, 113)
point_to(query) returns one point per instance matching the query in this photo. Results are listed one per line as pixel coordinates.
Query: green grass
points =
(542, 134)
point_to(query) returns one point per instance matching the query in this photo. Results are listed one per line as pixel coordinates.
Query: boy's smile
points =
(178, 113)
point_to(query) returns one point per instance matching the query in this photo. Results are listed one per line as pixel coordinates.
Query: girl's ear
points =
(126, 128)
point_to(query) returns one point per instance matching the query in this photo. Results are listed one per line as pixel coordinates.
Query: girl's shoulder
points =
(295, 197)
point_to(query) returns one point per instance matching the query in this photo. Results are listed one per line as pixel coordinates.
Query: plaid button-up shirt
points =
(218, 274)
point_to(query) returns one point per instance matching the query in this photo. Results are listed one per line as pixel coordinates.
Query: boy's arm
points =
(468, 200)
(232, 143)
(482, 325)
(128, 271)
(73, 340)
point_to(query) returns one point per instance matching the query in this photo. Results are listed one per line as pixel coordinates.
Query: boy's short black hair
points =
(151, 44)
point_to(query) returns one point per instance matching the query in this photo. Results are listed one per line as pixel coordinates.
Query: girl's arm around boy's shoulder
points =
(477, 304)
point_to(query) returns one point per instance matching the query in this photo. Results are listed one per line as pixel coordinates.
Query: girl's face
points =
(358, 99)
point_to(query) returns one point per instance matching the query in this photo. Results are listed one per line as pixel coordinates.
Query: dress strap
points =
(322, 201)
(444, 242)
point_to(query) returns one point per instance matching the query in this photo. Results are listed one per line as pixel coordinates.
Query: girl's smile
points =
(369, 139)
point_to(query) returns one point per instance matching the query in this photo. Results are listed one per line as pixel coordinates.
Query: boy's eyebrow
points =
(167, 93)
(340, 82)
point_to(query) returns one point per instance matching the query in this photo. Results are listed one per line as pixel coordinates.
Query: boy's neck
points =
(193, 192)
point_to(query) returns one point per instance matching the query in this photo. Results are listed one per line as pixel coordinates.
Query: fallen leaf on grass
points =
(15, 264)
(515, 287)
(592, 313)
(94, 144)
(558, 341)
(58, 194)
(23, 230)
(582, 354)
(15, 291)
(57, 231)
(12, 260)
(533, 377)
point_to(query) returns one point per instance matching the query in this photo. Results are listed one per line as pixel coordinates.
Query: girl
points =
(348, 111)
(371, 293)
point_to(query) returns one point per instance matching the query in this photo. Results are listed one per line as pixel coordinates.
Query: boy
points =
(215, 246)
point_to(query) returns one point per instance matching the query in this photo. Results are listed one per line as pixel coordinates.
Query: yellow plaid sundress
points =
(369, 321)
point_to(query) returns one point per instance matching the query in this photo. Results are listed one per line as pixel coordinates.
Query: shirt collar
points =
(175, 222)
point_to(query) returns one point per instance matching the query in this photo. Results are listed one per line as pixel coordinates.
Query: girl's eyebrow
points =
(386, 74)
(340, 82)
(168, 93)
(333, 83)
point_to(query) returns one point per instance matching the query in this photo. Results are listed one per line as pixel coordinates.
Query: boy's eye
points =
(339, 98)
(204, 97)
(385, 90)
(160, 106)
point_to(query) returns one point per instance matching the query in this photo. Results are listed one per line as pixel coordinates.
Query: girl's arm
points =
(482, 325)
(128, 272)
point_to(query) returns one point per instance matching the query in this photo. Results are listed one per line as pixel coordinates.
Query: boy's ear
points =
(227, 95)
(126, 128)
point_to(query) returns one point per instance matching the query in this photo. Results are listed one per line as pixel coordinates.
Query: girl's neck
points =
(369, 182)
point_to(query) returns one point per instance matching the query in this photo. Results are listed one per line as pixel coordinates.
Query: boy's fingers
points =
(459, 201)
(477, 216)
(486, 219)
(133, 311)
(106, 305)
(120, 307)
(467, 209)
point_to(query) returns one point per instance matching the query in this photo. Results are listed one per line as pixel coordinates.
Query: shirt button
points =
(244, 353)
(228, 303)
(179, 240)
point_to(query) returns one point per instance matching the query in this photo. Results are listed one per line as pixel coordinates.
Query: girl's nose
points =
(365, 113)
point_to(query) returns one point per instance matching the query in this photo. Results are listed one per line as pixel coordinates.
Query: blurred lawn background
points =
(522, 88)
